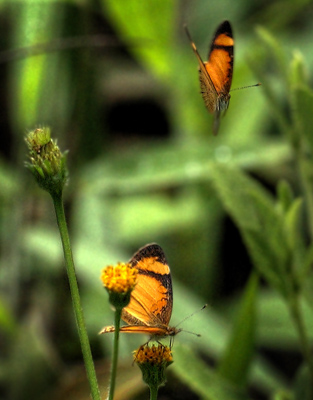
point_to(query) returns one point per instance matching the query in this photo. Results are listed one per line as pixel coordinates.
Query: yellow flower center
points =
(120, 278)
(153, 355)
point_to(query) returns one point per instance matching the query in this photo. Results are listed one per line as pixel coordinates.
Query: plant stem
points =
(305, 171)
(153, 392)
(307, 184)
(294, 306)
(70, 269)
(118, 313)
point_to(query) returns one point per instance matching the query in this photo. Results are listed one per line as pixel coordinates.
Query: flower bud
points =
(47, 163)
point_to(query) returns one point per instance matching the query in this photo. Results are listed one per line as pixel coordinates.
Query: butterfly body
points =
(157, 331)
(216, 74)
(150, 308)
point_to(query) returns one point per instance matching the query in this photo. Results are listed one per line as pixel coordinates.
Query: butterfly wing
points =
(221, 58)
(216, 74)
(151, 301)
(220, 68)
(207, 87)
(161, 330)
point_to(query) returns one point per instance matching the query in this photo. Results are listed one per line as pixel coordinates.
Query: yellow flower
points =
(153, 355)
(119, 281)
(153, 361)
(121, 278)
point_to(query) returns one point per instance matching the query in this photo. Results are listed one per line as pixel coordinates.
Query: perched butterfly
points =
(216, 74)
(151, 302)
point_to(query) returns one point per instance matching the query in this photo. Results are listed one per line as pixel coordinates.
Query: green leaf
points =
(201, 378)
(308, 261)
(276, 50)
(272, 53)
(35, 95)
(284, 194)
(149, 27)
(293, 226)
(261, 226)
(264, 258)
(215, 330)
(298, 70)
(7, 322)
(303, 384)
(276, 329)
(236, 361)
(306, 281)
(302, 106)
(149, 168)
(282, 395)
(236, 191)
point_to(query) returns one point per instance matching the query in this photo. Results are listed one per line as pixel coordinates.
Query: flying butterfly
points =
(216, 74)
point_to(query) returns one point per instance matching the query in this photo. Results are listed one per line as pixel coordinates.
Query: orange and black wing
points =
(208, 90)
(220, 69)
(216, 74)
(152, 299)
(221, 58)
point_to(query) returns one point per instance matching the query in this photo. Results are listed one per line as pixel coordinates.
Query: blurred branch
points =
(77, 42)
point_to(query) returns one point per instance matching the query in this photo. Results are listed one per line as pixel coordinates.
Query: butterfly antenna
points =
(246, 87)
(194, 48)
(188, 316)
(187, 32)
(192, 333)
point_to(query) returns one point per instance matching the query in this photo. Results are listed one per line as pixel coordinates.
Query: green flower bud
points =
(47, 163)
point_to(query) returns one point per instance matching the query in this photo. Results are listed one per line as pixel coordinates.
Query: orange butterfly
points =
(216, 74)
(151, 302)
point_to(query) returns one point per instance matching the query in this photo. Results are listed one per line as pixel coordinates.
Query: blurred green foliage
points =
(70, 64)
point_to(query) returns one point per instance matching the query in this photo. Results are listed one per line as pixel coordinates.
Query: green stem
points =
(118, 313)
(305, 171)
(299, 324)
(304, 166)
(306, 177)
(154, 392)
(70, 269)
